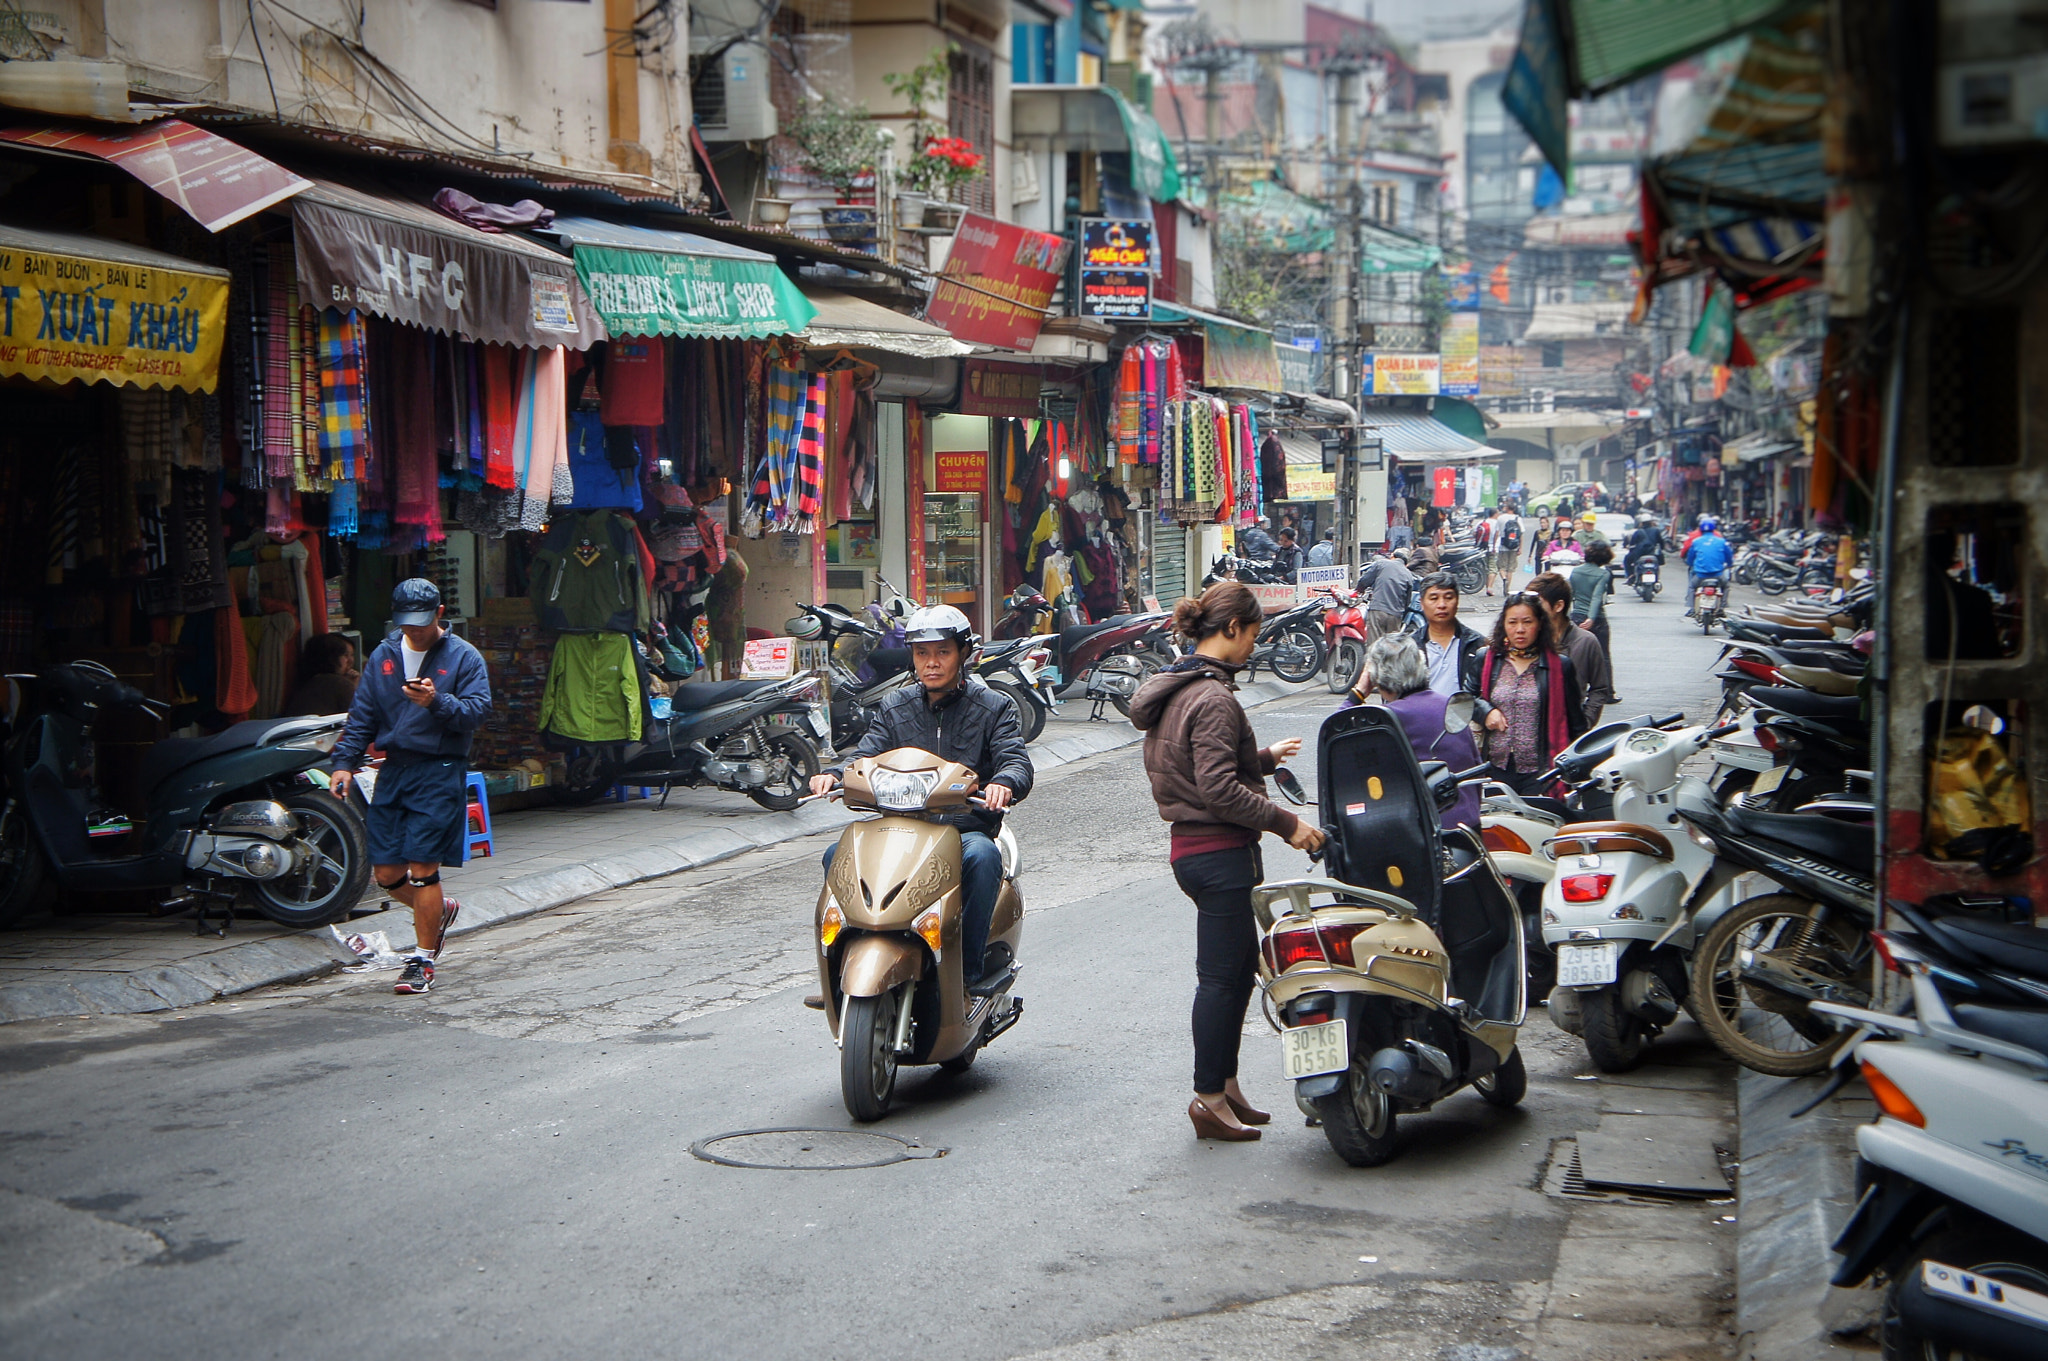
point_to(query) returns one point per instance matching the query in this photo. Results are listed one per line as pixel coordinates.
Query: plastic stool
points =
(477, 830)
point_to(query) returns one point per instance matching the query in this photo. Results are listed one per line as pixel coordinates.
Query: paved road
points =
(503, 1168)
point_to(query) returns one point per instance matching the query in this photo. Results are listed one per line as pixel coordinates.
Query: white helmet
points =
(938, 624)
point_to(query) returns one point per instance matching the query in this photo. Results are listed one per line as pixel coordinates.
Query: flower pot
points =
(771, 212)
(910, 209)
(944, 216)
(848, 224)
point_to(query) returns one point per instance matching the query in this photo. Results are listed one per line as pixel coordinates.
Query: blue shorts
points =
(421, 813)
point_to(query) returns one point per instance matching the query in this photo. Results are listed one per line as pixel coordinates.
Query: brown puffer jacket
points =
(1207, 771)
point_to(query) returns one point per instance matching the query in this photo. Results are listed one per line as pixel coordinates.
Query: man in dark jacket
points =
(1451, 648)
(423, 693)
(1287, 557)
(954, 716)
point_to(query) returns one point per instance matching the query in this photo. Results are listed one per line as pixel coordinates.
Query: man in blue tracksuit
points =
(422, 695)
(1708, 556)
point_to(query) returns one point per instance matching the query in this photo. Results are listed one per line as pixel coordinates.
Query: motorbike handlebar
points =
(1723, 730)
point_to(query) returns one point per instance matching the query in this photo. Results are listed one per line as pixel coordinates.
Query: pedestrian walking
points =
(1538, 542)
(1451, 649)
(1538, 705)
(420, 700)
(1391, 585)
(1208, 776)
(1588, 654)
(1591, 584)
(1507, 551)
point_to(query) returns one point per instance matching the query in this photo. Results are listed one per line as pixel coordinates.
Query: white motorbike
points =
(1629, 895)
(1953, 1209)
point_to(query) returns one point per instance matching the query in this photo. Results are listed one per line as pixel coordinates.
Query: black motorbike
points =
(1291, 644)
(223, 814)
(751, 737)
(1469, 564)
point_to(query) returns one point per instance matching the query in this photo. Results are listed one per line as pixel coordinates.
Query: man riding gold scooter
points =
(919, 919)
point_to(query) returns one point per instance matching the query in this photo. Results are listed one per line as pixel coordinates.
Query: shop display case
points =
(952, 550)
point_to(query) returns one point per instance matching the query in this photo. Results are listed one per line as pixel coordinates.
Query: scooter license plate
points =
(1311, 1049)
(1769, 780)
(820, 725)
(1591, 963)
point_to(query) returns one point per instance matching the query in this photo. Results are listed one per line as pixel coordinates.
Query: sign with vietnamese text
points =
(1308, 482)
(1461, 355)
(113, 315)
(961, 470)
(1401, 375)
(211, 178)
(1114, 295)
(999, 278)
(992, 389)
(1116, 243)
(1301, 367)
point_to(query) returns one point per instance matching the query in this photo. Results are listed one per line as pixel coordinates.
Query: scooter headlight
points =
(903, 791)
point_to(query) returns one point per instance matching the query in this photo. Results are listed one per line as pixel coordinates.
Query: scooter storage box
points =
(1377, 805)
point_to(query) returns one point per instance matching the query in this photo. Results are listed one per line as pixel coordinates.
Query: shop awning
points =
(1234, 355)
(212, 179)
(399, 259)
(844, 321)
(1757, 447)
(1417, 438)
(108, 312)
(645, 282)
(1097, 118)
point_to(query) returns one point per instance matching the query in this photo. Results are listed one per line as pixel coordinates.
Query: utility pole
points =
(1343, 296)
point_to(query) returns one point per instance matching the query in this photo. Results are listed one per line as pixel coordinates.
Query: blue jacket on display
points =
(462, 701)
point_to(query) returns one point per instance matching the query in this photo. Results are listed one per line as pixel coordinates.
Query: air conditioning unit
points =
(1991, 84)
(731, 94)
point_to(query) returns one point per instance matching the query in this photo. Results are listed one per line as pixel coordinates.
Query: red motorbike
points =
(1112, 658)
(1345, 633)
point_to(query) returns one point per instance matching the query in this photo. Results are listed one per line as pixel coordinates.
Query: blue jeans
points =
(981, 879)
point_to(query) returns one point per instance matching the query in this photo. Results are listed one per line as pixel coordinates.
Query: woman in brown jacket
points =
(1208, 778)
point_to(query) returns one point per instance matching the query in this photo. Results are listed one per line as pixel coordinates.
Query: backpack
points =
(1511, 536)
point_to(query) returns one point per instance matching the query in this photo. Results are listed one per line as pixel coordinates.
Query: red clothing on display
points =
(635, 378)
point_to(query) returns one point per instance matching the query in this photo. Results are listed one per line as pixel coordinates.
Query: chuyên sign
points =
(408, 263)
(107, 312)
(997, 283)
(960, 470)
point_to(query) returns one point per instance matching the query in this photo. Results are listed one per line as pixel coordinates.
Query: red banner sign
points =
(961, 470)
(211, 178)
(998, 281)
(993, 389)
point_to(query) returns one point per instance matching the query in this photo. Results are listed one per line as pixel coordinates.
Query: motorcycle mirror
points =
(1458, 714)
(1290, 787)
(1981, 717)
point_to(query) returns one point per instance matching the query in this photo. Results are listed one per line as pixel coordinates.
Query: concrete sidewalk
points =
(81, 965)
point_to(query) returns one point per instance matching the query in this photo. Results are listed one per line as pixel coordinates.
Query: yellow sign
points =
(1308, 482)
(113, 316)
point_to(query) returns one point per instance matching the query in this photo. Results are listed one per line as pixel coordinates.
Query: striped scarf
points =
(809, 470)
(279, 398)
(344, 434)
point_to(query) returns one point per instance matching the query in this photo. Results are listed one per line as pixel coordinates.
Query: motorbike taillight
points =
(1585, 888)
(1291, 945)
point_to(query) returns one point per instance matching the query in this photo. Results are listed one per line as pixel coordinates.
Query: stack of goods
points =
(517, 651)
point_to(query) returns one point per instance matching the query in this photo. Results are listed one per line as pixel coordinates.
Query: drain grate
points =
(1566, 1178)
(810, 1150)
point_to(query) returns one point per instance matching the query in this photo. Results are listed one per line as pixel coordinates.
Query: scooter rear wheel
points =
(867, 1054)
(1358, 1120)
(1030, 714)
(1616, 1040)
(800, 760)
(1506, 1085)
(330, 886)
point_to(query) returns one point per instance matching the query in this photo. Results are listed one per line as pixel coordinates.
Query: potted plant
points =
(841, 146)
(937, 164)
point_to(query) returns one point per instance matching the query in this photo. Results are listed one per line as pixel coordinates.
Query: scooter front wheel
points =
(337, 869)
(1347, 664)
(867, 1054)
(1506, 1085)
(1358, 1120)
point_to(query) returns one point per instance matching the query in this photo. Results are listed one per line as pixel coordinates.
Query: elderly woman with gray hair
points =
(1397, 677)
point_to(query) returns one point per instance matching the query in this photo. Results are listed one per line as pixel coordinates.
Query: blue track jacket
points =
(462, 701)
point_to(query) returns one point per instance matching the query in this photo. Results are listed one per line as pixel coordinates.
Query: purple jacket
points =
(1422, 718)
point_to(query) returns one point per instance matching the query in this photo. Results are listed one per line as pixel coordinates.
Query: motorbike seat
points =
(1073, 635)
(2023, 949)
(1850, 846)
(1806, 704)
(1767, 631)
(716, 692)
(1591, 838)
(173, 754)
(2028, 1029)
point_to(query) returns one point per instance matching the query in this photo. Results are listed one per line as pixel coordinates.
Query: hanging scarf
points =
(344, 400)
(1130, 405)
(279, 394)
(500, 367)
(1155, 388)
(809, 477)
(411, 426)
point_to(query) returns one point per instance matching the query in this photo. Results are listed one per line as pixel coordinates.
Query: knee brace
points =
(433, 878)
(391, 884)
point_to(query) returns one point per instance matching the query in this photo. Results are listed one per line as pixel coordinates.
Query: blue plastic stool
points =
(476, 820)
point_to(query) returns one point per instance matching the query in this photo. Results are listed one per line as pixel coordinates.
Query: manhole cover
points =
(810, 1150)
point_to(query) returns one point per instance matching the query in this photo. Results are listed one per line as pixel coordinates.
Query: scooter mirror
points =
(1459, 712)
(1290, 787)
(1982, 718)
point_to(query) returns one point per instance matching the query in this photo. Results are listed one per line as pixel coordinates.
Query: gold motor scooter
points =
(890, 925)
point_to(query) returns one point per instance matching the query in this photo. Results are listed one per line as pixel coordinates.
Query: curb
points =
(291, 959)
(1797, 1189)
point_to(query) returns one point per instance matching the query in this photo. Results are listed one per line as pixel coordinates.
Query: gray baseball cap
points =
(415, 601)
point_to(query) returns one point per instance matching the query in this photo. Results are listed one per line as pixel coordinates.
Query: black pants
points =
(1226, 955)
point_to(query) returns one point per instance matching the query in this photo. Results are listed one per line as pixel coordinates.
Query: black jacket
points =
(1471, 645)
(974, 725)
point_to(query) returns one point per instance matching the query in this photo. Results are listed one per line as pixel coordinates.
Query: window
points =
(1383, 202)
(1973, 387)
(970, 114)
(1553, 354)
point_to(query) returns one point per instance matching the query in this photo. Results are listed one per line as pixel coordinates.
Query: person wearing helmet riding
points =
(1646, 542)
(956, 717)
(1708, 555)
